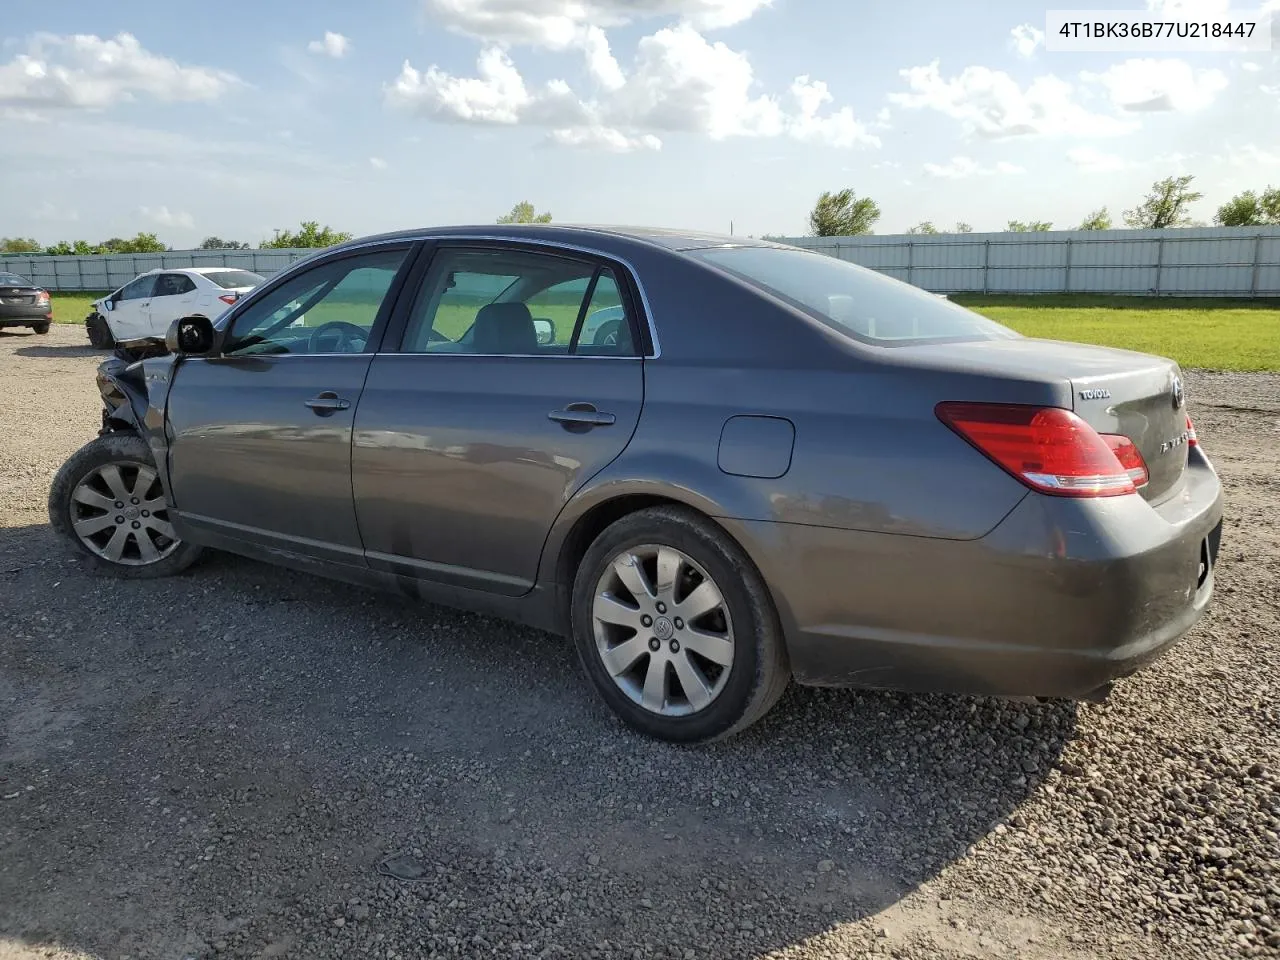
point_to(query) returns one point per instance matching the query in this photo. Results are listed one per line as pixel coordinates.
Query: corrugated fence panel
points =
(1200, 261)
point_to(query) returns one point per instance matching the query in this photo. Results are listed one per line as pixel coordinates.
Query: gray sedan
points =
(716, 464)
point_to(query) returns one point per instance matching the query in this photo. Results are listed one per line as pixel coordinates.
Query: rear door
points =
(174, 296)
(261, 432)
(476, 430)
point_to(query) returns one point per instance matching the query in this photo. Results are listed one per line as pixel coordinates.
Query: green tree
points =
(1030, 226)
(79, 248)
(1100, 219)
(1165, 206)
(19, 245)
(962, 227)
(310, 234)
(1250, 210)
(524, 212)
(217, 243)
(924, 226)
(842, 214)
(141, 243)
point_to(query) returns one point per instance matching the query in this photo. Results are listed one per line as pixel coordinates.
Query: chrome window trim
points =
(247, 300)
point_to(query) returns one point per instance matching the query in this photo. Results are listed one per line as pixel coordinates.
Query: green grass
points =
(1216, 334)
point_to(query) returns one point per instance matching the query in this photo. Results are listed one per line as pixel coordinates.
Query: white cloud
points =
(166, 217)
(600, 60)
(1146, 85)
(52, 212)
(377, 163)
(960, 168)
(1026, 39)
(332, 45)
(1249, 66)
(560, 24)
(990, 103)
(604, 138)
(1093, 160)
(88, 72)
(1252, 156)
(680, 83)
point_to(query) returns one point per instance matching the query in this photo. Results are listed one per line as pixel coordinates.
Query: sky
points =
(237, 118)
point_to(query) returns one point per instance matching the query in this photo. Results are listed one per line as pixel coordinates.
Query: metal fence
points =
(109, 271)
(1201, 262)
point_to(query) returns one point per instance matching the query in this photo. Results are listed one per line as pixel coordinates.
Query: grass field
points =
(1206, 333)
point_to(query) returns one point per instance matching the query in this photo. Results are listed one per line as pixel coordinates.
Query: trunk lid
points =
(12, 294)
(1137, 395)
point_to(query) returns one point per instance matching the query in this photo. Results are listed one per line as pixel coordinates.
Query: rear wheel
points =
(100, 337)
(675, 629)
(108, 501)
(41, 328)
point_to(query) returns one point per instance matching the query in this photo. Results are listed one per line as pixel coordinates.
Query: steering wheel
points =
(345, 334)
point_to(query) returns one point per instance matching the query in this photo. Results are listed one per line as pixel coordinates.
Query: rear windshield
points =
(861, 303)
(227, 279)
(13, 280)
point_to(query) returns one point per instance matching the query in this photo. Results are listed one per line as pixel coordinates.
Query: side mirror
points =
(109, 304)
(190, 336)
(545, 329)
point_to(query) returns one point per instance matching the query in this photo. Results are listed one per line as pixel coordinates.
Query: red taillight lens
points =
(1192, 439)
(42, 297)
(229, 298)
(1048, 448)
(1130, 457)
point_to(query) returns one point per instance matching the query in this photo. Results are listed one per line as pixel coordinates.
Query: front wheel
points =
(108, 501)
(100, 337)
(675, 628)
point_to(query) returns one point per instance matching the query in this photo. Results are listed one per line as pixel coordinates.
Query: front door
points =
(128, 315)
(174, 297)
(473, 435)
(260, 445)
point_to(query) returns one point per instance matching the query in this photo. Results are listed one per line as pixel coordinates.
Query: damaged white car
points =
(144, 307)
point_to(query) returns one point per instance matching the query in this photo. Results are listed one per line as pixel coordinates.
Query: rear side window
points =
(230, 279)
(860, 303)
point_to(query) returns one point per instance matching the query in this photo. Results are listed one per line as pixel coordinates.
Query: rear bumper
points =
(23, 314)
(1061, 598)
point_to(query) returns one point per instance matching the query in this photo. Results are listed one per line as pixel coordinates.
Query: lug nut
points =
(646, 620)
(662, 607)
(654, 644)
(119, 504)
(675, 646)
(679, 622)
(146, 513)
(136, 500)
(135, 525)
(119, 519)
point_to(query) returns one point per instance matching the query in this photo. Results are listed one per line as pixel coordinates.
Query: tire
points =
(82, 495)
(40, 328)
(741, 692)
(100, 337)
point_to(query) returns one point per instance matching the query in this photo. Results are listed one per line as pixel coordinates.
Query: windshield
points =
(229, 279)
(855, 301)
(13, 280)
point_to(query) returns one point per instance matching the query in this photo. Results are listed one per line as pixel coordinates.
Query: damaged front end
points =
(134, 384)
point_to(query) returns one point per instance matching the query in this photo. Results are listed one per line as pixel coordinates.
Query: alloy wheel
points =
(662, 630)
(119, 512)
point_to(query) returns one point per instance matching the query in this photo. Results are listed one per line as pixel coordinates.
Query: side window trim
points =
(386, 310)
(437, 246)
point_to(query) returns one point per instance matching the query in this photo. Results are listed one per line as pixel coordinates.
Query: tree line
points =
(309, 235)
(844, 214)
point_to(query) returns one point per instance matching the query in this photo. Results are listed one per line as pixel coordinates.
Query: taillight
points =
(229, 297)
(1192, 440)
(1048, 448)
(1130, 457)
(42, 297)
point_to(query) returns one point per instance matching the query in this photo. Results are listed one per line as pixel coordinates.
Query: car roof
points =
(670, 239)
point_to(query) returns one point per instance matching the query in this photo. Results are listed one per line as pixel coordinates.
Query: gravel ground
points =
(221, 764)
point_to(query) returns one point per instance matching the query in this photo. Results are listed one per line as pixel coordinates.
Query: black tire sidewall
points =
(753, 622)
(112, 447)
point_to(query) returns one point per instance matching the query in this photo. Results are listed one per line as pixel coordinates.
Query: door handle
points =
(581, 415)
(327, 403)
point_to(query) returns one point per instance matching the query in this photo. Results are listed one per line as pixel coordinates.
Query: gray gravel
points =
(219, 765)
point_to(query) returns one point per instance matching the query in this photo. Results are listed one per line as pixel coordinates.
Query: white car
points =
(145, 306)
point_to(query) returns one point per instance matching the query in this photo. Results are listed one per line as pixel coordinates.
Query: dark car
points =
(778, 465)
(24, 304)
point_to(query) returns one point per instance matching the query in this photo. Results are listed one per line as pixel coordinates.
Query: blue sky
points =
(236, 118)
